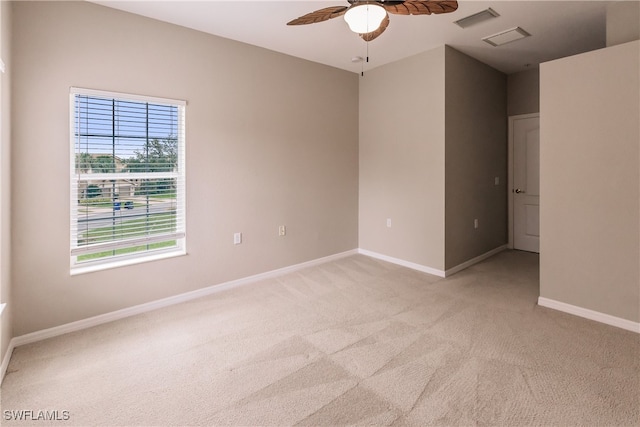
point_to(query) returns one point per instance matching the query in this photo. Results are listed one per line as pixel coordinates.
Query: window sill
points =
(80, 269)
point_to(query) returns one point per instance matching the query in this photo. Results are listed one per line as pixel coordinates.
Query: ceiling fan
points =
(369, 18)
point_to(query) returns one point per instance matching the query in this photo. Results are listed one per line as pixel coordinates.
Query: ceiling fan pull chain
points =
(362, 63)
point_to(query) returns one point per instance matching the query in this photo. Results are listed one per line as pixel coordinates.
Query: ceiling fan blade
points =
(320, 15)
(373, 34)
(424, 7)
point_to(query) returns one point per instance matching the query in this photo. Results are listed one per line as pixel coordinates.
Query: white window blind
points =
(127, 177)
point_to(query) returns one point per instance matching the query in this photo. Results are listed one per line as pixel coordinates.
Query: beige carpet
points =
(355, 341)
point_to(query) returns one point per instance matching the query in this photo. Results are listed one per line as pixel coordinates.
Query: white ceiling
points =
(558, 29)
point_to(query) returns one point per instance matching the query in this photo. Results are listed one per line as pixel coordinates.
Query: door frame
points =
(510, 169)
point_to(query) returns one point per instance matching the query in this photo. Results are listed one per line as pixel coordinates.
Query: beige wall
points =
(590, 181)
(5, 177)
(402, 159)
(475, 153)
(523, 92)
(444, 103)
(271, 140)
(623, 22)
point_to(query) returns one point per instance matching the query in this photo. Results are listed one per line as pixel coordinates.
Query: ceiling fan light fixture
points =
(365, 18)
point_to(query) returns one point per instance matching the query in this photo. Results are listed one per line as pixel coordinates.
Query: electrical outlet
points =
(389, 222)
(237, 238)
(282, 230)
(496, 180)
(475, 223)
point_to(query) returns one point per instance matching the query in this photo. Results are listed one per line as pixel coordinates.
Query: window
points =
(127, 179)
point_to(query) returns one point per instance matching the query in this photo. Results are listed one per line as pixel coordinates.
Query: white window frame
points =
(79, 267)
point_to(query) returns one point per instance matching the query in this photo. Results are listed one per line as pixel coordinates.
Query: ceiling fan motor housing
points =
(390, 2)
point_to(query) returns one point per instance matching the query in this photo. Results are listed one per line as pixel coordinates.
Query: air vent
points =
(477, 18)
(507, 36)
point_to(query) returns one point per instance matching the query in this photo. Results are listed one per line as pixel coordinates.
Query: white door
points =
(526, 182)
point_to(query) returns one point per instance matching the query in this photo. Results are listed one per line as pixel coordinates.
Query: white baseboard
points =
(590, 314)
(430, 270)
(403, 263)
(475, 260)
(6, 358)
(165, 302)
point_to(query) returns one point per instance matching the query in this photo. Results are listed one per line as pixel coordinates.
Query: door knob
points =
(518, 191)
